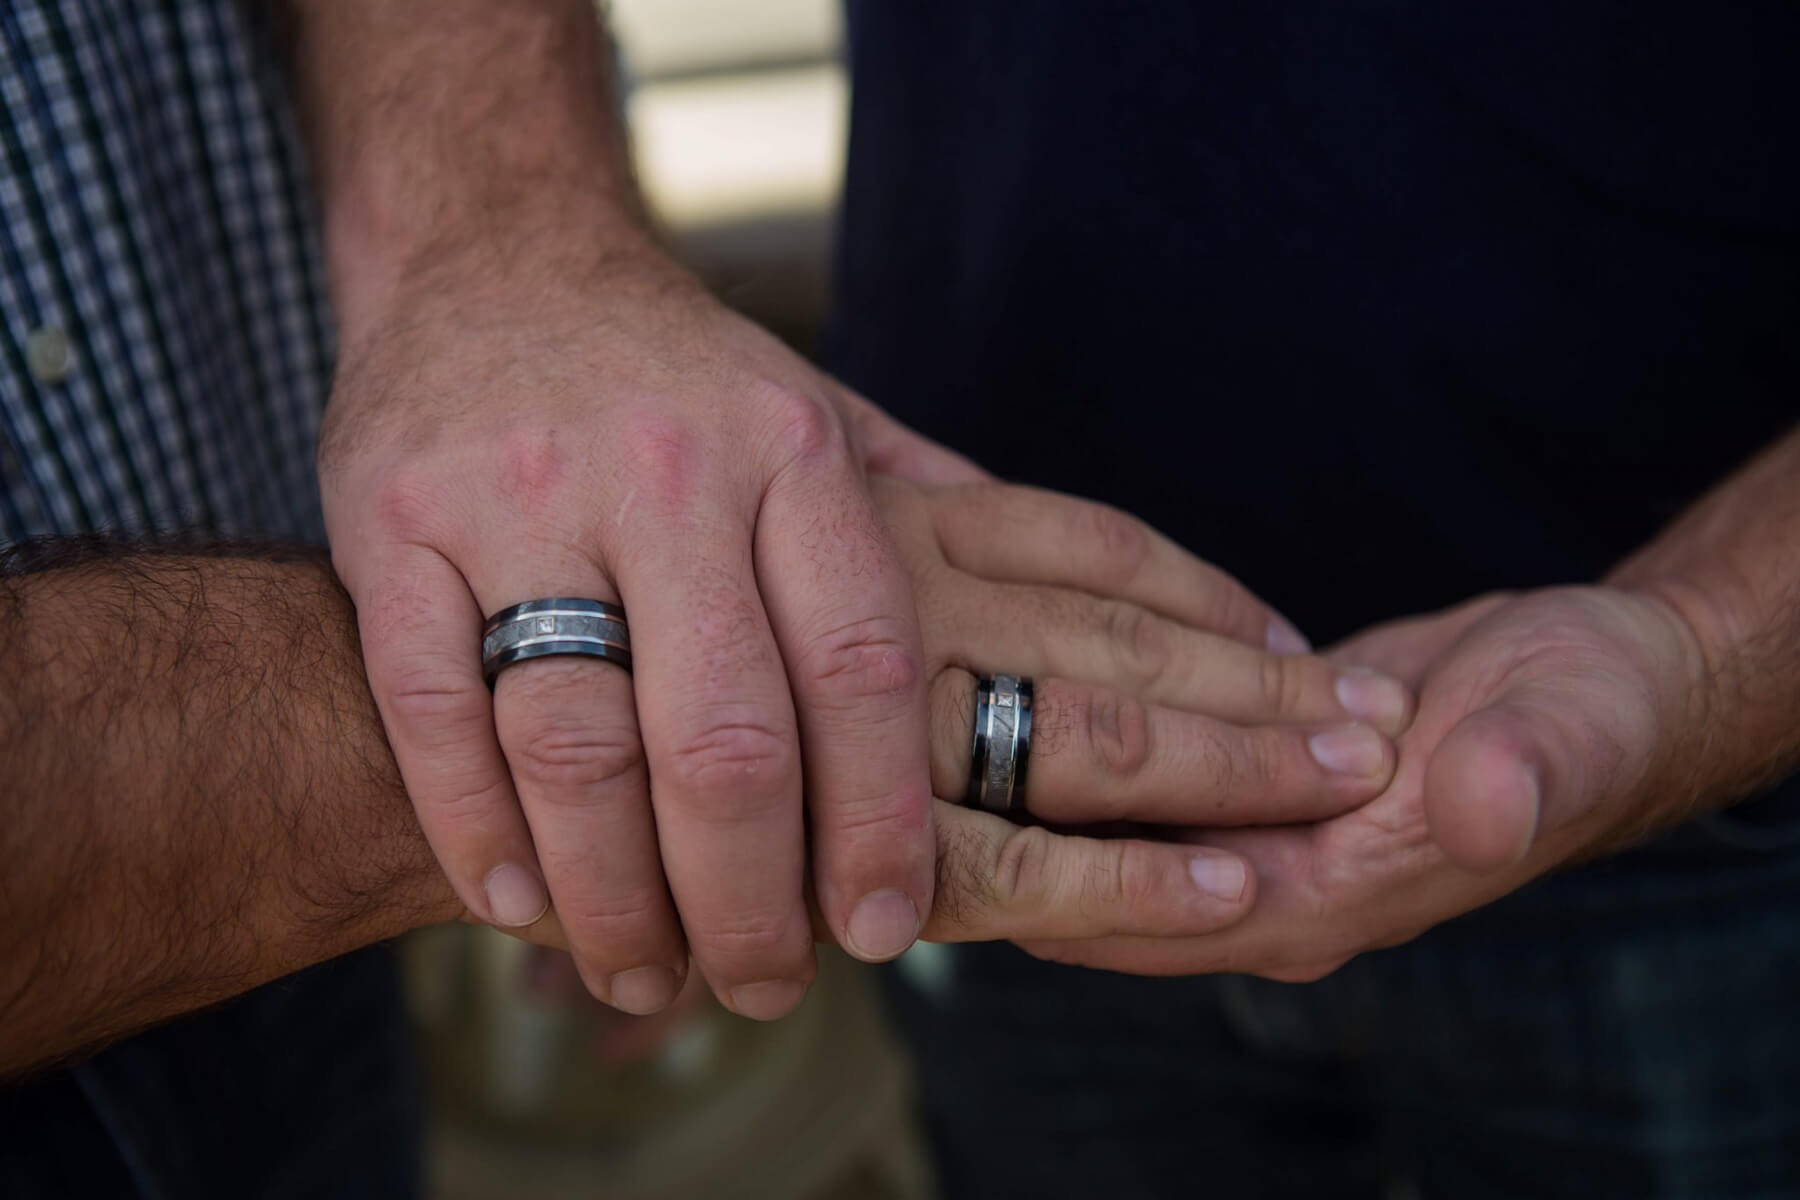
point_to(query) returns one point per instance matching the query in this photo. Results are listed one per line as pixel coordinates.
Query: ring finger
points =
(1099, 755)
(568, 727)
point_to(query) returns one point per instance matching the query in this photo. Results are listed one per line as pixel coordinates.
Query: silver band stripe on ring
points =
(1002, 745)
(556, 625)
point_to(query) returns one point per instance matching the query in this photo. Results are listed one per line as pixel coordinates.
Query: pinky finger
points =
(421, 633)
(997, 880)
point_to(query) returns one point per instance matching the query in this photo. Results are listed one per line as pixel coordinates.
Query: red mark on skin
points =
(532, 469)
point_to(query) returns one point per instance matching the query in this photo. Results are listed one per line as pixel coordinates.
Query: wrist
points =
(1737, 730)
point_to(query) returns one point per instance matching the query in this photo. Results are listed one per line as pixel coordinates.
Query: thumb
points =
(1504, 776)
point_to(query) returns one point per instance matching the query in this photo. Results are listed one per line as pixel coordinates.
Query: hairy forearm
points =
(196, 794)
(458, 129)
(1731, 566)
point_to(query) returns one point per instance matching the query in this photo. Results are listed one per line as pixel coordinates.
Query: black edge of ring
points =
(1022, 746)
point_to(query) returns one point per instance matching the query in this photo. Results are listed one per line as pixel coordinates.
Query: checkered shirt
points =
(165, 344)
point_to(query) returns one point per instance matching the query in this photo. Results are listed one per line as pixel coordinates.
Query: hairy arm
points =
(195, 796)
(1731, 566)
(443, 128)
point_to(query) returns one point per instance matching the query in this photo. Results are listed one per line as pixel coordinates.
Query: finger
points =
(421, 637)
(1056, 631)
(999, 880)
(568, 727)
(1485, 787)
(843, 611)
(1100, 755)
(1014, 534)
(724, 751)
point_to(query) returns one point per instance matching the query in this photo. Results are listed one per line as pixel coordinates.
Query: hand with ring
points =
(726, 674)
(1154, 699)
(1140, 687)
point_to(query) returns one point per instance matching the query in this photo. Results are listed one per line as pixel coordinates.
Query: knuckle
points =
(408, 503)
(602, 921)
(664, 457)
(1023, 868)
(466, 812)
(870, 659)
(1282, 682)
(750, 936)
(565, 749)
(1121, 542)
(802, 427)
(733, 759)
(893, 821)
(1118, 728)
(531, 467)
(432, 700)
(1140, 641)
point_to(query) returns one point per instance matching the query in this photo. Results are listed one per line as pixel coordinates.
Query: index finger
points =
(1011, 534)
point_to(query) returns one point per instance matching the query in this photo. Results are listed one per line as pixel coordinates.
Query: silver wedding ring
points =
(1002, 743)
(558, 625)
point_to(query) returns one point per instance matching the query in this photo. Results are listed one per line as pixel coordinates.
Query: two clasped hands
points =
(812, 592)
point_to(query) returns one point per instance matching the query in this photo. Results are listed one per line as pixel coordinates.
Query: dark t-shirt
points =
(1377, 304)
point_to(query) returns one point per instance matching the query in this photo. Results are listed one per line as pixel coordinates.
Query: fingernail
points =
(1349, 750)
(1283, 638)
(644, 990)
(1371, 696)
(884, 924)
(515, 896)
(1219, 875)
(767, 1000)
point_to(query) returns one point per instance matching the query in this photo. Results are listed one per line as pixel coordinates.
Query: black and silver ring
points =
(1002, 746)
(557, 625)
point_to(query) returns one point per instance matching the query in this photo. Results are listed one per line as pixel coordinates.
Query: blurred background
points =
(737, 114)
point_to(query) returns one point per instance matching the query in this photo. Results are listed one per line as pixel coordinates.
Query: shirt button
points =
(47, 354)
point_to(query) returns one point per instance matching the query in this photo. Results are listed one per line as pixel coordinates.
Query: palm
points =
(1543, 723)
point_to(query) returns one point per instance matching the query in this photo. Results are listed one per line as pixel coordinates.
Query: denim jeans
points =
(1630, 1029)
(301, 1088)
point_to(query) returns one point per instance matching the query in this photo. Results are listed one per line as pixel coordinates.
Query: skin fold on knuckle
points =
(1120, 543)
(1118, 734)
(431, 702)
(554, 738)
(801, 430)
(1141, 643)
(1282, 681)
(1023, 877)
(619, 928)
(750, 944)
(871, 659)
(726, 764)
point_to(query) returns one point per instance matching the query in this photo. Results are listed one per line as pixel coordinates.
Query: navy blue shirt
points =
(1378, 304)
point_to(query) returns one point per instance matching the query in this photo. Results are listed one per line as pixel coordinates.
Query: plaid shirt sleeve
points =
(166, 347)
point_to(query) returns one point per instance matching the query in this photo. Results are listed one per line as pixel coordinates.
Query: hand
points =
(1552, 725)
(507, 430)
(1155, 700)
